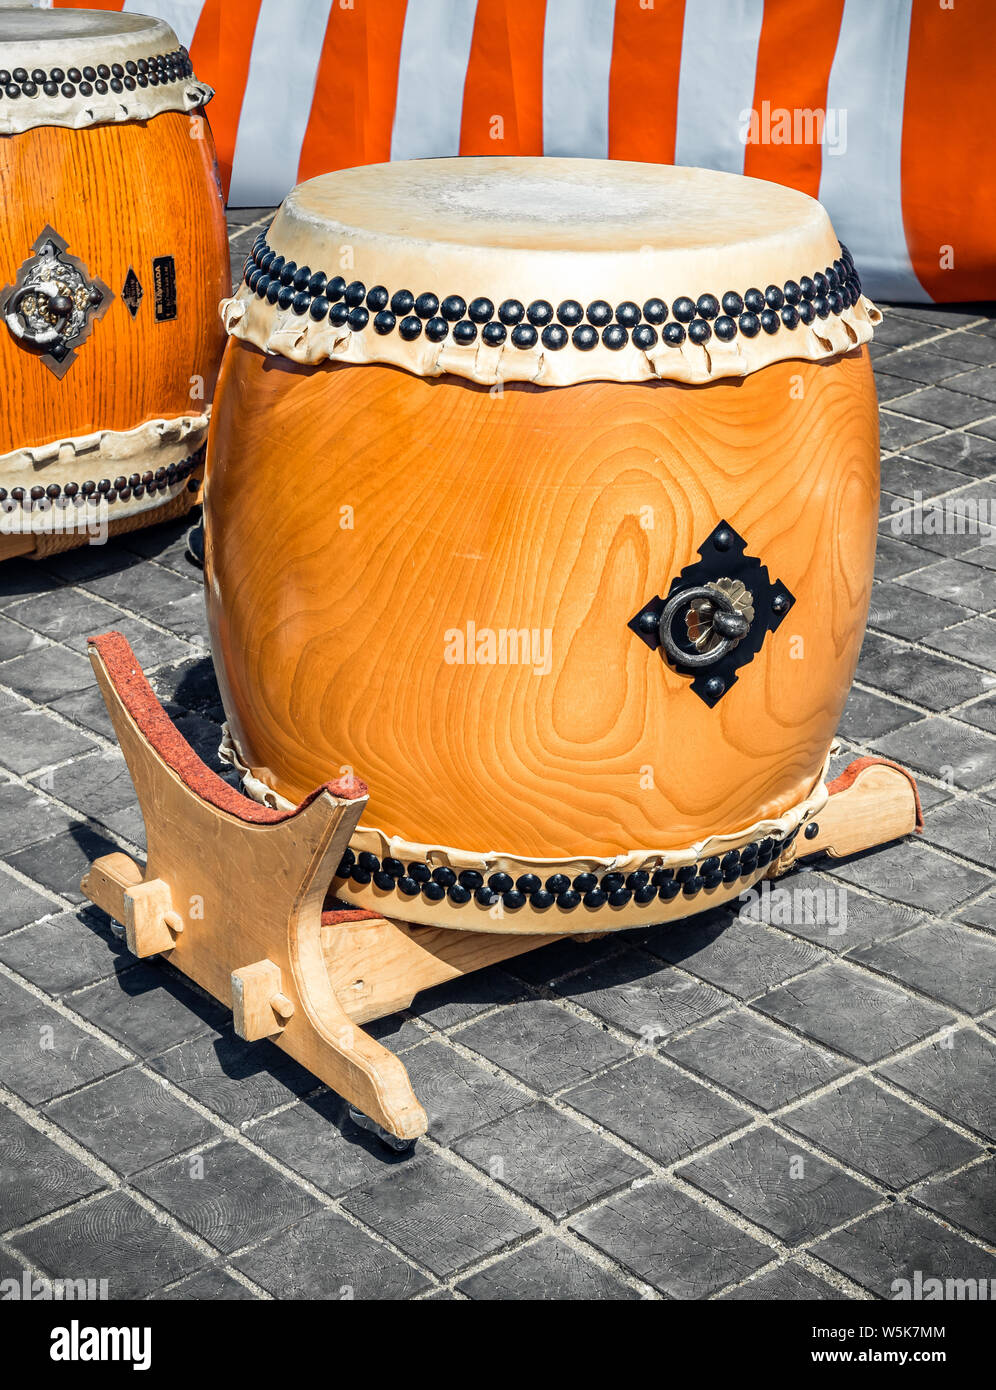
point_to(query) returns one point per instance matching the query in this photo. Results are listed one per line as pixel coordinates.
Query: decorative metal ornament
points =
(52, 306)
(728, 604)
(132, 292)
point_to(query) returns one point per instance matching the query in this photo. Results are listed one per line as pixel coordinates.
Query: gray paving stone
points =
(406, 1208)
(22, 577)
(894, 557)
(20, 903)
(550, 1159)
(922, 677)
(853, 1012)
(783, 1189)
(66, 951)
(87, 709)
(919, 366)
(37, 1177)
(31, 738)
(211, 1285)
(464, 998)
(973, 640)
(940, 406)
(317, 1139)
(967, 347)
(889, 387)
(945, 749)
(743, 958)
(897, 331)
(192, 685)
(868, 714)
(542, 1044)
(967, 453)
(955, 1076)
(909, 871)
(544, 1271)
(629, 993)
(871, 1130)
(16, 640)
(326, 1257)
(131, 1121)
(148, 1008)
(567, 956)
(966, 1199)
(235, 1080)
(28, 817)
(896, 1244)
(112, 1238)
(837, 916)
(71, 616)
(43, 1053)
(60, 862)
(790, 1282)
(946, 528)
(99, 786)
(894, 610)
(980, 382)
(897, 432)
(981, 714)
(671, 1241)
(981, 913)
(660, 1110)
(227, 1195)
(949, 963)
(955, 582)
(46, 673)
(458, 1096)
(752, 1058)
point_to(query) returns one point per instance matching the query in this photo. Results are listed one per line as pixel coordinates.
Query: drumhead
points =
(79, 68)
(552, 271)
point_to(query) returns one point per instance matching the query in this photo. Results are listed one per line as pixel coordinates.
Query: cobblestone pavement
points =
(805, 1113)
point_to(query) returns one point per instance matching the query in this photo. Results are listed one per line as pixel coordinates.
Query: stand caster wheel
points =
(195, 545)
(389, 1140)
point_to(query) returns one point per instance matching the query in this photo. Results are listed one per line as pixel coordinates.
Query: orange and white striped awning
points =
(876, 107)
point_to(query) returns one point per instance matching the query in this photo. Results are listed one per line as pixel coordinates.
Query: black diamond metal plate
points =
(723, 556)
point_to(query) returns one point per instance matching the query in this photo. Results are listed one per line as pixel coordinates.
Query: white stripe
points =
(432, 70)
(180, 15)
(862, 188)
(577, 56)
(276, 105)
(719, 46)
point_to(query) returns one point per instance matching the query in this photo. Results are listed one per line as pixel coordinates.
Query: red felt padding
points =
(340, 917)
(164, 737)
(841, 783)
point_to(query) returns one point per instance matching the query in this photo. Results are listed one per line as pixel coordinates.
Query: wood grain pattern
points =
(120, 196)
(556, 510)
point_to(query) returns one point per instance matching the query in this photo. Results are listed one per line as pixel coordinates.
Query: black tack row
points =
(159, 70)
(120, 489)
(587, 889)
(288, 286)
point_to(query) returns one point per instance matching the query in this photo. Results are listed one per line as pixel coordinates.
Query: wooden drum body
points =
(111, 201)
(453, 587)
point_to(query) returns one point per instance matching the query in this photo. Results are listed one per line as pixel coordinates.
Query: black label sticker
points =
(164, 280)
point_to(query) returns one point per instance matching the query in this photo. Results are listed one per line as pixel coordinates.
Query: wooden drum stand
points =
(233, 894)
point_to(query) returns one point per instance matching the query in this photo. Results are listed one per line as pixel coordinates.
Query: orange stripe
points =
(503, 89)
(220, 52)
(948, 172)
(643, 81)
(795, 54)
(356, 87)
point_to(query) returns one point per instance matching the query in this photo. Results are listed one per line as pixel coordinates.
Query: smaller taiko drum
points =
(552, 518)
(113, 256)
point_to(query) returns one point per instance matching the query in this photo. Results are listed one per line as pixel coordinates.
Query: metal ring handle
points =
(59, 303)
(730, 622)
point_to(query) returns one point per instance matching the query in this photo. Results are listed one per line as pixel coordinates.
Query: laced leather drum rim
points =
(158, 69)
(288, 286)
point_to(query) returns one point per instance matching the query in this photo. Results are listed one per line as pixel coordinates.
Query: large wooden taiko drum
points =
(113, 257)
(543, 495)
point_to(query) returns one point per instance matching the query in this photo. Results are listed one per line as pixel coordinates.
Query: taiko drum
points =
(542, 495)
(114, 257)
